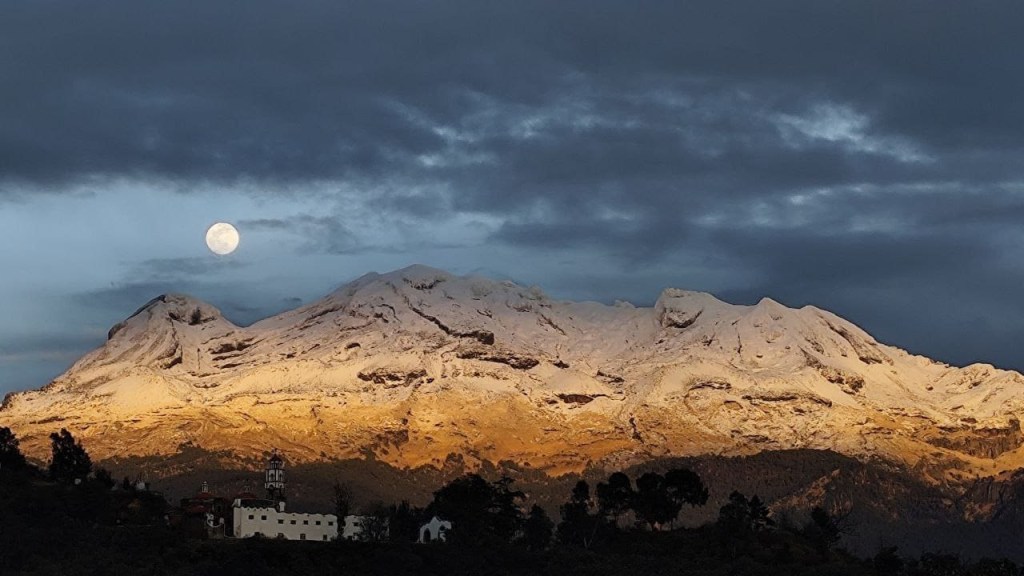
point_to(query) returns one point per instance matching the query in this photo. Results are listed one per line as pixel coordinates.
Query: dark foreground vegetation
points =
(71, 519)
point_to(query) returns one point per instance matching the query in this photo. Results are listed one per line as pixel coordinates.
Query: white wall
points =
(270, 523)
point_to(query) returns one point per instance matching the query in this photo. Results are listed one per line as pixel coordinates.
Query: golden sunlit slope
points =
(417, 364)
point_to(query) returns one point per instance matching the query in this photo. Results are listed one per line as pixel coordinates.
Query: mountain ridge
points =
(415, 364)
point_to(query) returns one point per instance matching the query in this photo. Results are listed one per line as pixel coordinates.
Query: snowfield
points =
(416, 364)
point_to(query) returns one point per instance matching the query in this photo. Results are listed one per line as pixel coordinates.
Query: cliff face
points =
(417, 364)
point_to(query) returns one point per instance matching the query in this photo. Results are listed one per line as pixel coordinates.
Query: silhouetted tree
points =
(887, 562)
(537, 529)
(822, 530)
(741, 517)
(11, 457)
(686, 487)
(479, 510)
(405, 522)
(759, 515)
(374, 523)
(652, 502)
(342, 504)
(104, 479)
(581, 494)
(658, 499)
(578, 526)
(615, 497)
(734, 516)
(507, 516)
(70, 461)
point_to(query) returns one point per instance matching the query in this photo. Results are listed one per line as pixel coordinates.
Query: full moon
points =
(222, 238)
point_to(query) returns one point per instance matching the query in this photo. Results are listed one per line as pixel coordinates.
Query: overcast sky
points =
(863, 156)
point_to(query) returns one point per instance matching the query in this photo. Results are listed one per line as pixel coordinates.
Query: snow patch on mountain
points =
(418, 363)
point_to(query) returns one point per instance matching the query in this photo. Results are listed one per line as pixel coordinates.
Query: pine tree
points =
(70, 461)
(405, 522)
(479, 510)
(537, 529)
(734, 516)
(578, 526)
(11, 457)
(759, 515)
(342, 505)
(823, 530)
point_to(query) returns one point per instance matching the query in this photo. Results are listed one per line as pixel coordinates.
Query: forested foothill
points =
(72, 518)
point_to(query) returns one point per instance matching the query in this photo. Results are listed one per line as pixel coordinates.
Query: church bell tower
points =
(274, 482)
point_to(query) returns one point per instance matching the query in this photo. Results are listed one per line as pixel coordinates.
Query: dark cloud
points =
(324, 234)
(864, 156)
(278, 91)
(37, 357)
(51, 346)
(176, 269)
(120, 300)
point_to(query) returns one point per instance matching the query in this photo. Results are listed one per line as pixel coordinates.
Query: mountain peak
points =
(767, 302)
(174, 307)
(417, 363)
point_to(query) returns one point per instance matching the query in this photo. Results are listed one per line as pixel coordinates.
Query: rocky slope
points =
(412, 366)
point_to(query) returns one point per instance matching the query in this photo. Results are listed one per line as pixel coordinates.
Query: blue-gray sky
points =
(863, 156)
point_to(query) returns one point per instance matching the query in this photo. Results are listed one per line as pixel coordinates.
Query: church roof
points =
(255, 502)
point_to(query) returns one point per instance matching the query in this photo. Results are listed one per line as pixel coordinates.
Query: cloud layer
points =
(861, 156)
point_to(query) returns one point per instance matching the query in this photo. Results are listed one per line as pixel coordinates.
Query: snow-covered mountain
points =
(416, 365)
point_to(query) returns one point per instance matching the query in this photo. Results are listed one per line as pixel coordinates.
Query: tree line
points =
(69, 462)
(620, 524)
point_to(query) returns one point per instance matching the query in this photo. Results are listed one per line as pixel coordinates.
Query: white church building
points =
(434, 531)
(268, 518)
(276, 523)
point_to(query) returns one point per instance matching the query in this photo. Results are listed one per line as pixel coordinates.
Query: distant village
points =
(247, 515)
